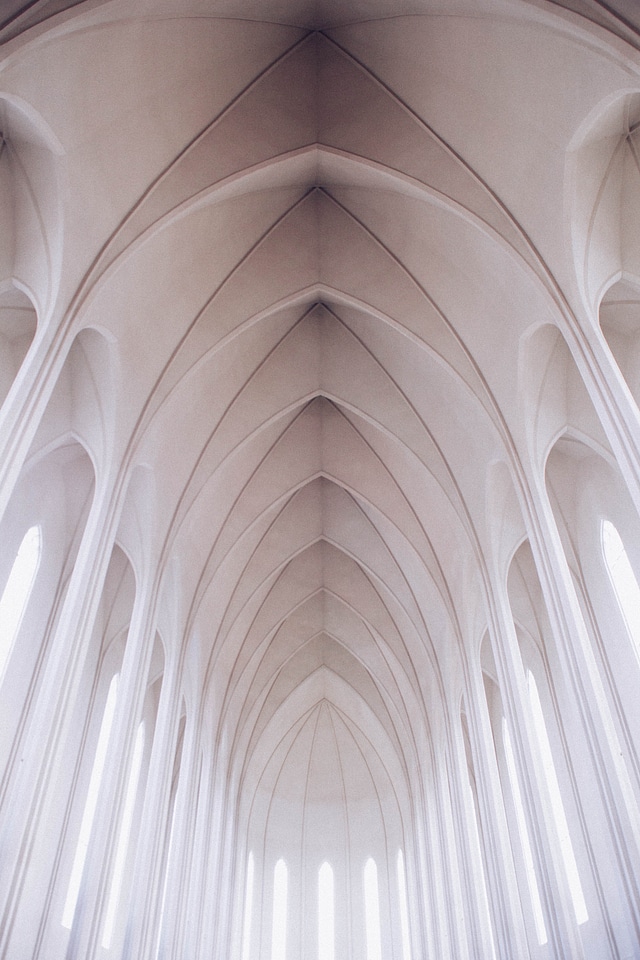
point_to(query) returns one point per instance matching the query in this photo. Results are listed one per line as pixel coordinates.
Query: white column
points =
(456, 911)
(193, 904)
(440, 946)
(86, 933)
(472, 871)
(504, 902)
(179, 867)
(584, 681)
(219, 874)
(558, 912)
(148, 881)
(30, 790)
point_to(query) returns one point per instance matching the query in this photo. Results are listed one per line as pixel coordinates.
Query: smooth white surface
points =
(320, 369)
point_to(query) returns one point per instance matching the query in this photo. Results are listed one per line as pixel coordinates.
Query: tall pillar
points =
(453, 868)
(471, 868)
(148, 881)
(618, 794)
(506, 909)
(219, 876)
(179, 865)
(558, 912)
(32, 781)
(87, 929)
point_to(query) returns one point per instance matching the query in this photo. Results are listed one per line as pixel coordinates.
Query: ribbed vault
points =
(309, 302)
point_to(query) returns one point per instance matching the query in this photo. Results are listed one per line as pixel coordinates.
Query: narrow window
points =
(326, 920)
(248, 911)
(372, 910)
(557, 806)
(279, 927)
(525, 843)
(123, 839)
(16, 593)
(623, 580)
(404, 908)
(90, 805)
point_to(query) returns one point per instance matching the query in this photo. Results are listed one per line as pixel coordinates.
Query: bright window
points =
(372, 910)
(279, 927)
(248, 911)
(551, 779)
(326, 923)
(404, 908)
(16, 593)
(623, 580)
(123, 839)
(90, 805)
(525, 842)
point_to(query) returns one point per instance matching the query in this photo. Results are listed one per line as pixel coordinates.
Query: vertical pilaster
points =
(148, 881)
(614, 784)
(31, 788)
(508, 923)
(558, 913)
(87, 929)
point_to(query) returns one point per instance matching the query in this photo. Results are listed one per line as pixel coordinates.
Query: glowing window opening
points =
(557, 806)
(123, 839)
(279, 924)
(525, 843)
(16, 593)
(326, 919)
(372, 910)
(624, 582)
(404, 908)
(90, 805)
(248, 910)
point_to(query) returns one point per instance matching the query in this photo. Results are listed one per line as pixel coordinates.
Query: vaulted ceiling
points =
(301, 254)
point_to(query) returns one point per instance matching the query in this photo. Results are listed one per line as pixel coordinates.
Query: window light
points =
(372, 910)
(326, 920)
(16, 593)
(623, 580)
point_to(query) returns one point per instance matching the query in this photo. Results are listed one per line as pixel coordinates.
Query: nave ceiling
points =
(318, 273)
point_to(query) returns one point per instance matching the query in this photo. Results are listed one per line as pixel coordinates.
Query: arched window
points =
(16, 593)
(123, 839)
(248, 910)
(623, 580)
(372, 910)
(90, 805)
(523, 831)
(404, 908)
(557, 806)
(279, 926)
(326, 920)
